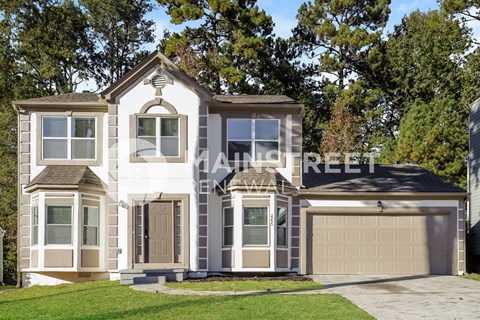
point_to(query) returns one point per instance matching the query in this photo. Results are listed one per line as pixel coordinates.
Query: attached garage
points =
(375, 232)
(373, 244)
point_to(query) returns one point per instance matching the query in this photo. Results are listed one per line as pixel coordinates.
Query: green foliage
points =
(118, 29)
(224, 51)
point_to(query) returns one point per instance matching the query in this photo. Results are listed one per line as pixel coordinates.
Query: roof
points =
(383, 178)
(67, 98)
(255, 179)
(257, 99)
(71, 175)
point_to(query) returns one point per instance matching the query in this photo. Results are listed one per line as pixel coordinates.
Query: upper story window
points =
(68, 138)
(259, 138)
(158, 136)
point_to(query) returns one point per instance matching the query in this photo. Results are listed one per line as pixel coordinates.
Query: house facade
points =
(156, 173)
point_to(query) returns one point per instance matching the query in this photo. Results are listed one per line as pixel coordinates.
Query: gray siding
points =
(474, 173)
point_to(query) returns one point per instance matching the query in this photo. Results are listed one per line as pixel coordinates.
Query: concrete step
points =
(134, 276)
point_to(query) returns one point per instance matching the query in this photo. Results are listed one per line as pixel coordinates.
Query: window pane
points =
(239, 147)
(55, 149)
(146, 127)
(281, 236)
(239, 129)
(90, 216)
(35, 235)
(255, 216)
(83, 149)
(54, 127)
(266, 129)
(169, 147)
(255, 235)
(83, 127)
(35, 215)
(262, 148)
(90, 236)
(59, 234)
(228, 217)
(146, 147)
(228, 236)
(281, 217)
(169, 127)
(59, 215)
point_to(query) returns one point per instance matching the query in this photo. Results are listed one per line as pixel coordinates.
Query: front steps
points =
(149, 276)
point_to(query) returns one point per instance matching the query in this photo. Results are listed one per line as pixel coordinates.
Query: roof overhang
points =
(25, 105)
(326, 195)
(217, 107)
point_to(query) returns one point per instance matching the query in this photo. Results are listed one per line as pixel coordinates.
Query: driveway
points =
(408, 297)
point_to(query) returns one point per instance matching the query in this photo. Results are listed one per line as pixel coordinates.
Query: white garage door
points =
(362, 244)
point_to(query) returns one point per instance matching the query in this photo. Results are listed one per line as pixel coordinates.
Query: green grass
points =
(7, 286)
(472, 276)
(248, 285)
(109, 300)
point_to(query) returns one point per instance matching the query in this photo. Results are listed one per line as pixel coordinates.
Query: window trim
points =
(35, 206)
(285, 227)
(267, 226)
(72, 216)
(182, 137)
(98, 138)
(253, 140)
(97, 226)
(232, 226)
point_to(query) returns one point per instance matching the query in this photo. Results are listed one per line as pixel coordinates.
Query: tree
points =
(468, 9)
(224, 51)
(119, 29)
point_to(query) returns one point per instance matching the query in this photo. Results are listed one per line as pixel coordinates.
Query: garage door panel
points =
(379, 244)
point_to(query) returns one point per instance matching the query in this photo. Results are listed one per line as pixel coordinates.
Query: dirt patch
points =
(249, 278)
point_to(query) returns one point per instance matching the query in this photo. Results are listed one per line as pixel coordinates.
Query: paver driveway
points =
(408, 297)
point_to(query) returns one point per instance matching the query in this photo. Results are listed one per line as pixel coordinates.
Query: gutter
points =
(383, 195)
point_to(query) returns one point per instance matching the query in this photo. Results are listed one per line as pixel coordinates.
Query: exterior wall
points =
(55, 278)
(474, 175)
(456, 220)
(153, 177)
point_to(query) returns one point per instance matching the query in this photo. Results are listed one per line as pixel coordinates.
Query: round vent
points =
(159, 81)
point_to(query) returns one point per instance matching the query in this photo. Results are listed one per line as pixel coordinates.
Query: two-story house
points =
(155, 175)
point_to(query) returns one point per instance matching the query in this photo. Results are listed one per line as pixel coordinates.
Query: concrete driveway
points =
(408, 297)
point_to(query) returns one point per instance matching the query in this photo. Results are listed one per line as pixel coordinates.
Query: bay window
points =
(34, 225)
(68, 138)
(59, 224)
(90, 226)
(228, 226)
(281, 227)
(255, 225)
(259, 138)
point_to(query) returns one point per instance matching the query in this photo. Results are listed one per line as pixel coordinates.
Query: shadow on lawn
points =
(366, 282)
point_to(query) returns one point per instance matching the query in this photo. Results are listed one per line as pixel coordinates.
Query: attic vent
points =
(159, 81)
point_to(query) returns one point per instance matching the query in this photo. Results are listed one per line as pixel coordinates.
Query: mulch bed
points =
(249, 278)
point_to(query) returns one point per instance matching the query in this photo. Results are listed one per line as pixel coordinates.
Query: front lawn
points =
(248, 285)
(7, 286)
(109, 300)
(472, 276)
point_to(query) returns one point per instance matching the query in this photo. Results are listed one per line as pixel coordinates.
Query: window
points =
(227, 227)
(255, 137)
(68, 138)
(282, 227)
(34, 225)
(90, 226)
(59, 224)
(255, 226)
(157, 136)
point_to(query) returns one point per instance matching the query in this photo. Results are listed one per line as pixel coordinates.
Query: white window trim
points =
(285, 227)
(33, 225)
(97, 226)
(267, 226)
(253, 139)
(72, 240)
(69, 138)
(229, 226)
(158, 136)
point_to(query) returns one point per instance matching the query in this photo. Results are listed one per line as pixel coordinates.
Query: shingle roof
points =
(75, 97)
(244, 99)
(255, 179)
(71, 175)
(384, 178)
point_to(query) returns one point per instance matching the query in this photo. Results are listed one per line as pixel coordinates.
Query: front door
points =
(159, 232)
